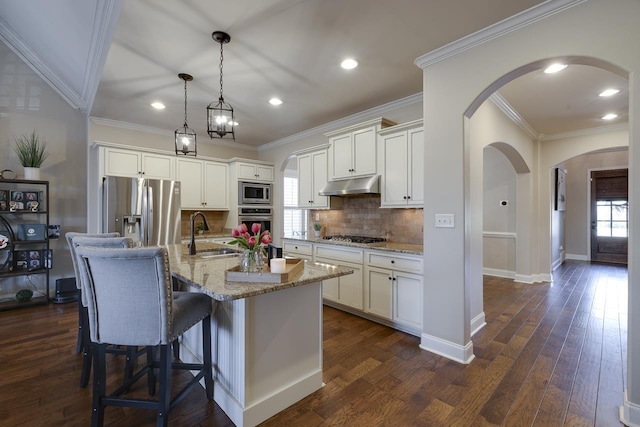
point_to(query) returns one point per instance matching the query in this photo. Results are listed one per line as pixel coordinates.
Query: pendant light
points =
(220, 120)
(185, 137)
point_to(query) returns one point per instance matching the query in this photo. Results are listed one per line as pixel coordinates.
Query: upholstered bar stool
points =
(106, 240)
(126, 287)
(82, 317)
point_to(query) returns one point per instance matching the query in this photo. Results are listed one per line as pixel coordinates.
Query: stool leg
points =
(164, 397)
(99, 384)
(151, 375)
(80, 341)
(176, 348)
(208, 365)
(87, 349)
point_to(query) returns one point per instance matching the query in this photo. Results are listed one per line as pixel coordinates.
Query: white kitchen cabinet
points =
(298, 249)
(205, 184)
(401, 153)
(346, 290)
(254, 171)
(132, 163)
(312, 176)
(393, 289)
(352, 151)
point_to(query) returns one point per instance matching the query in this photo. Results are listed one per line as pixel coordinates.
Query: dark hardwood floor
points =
(550, 355)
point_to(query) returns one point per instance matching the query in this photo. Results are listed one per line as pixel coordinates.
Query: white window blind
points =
(294, 218)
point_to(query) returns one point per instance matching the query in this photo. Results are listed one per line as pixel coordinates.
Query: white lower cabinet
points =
(393, 289)
(297, 249)
(346, 290)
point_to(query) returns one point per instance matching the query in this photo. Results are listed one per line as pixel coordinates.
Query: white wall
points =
(499, 221)
(578, 230)
(28, 103)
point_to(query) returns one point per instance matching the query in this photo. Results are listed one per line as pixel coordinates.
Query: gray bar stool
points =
(107, 240)
(82, 318)
(126, 287)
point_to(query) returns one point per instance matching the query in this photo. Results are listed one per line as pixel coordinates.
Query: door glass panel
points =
(612, 218)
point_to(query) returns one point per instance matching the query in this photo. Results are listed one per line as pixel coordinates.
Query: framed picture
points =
(17, 201)
(561, 190)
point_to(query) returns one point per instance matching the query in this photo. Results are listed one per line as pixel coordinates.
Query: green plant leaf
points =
(31, 150)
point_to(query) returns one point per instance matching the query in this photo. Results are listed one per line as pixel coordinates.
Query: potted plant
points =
(31, 151)
(317, 228)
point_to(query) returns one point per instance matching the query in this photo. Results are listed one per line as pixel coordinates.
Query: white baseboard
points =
(477, 323)
(525, 278)
(576, 257)
(455, 352)
(629, 413)
(507, 274)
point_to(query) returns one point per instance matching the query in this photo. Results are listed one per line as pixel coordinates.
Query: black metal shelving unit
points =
(36, 252)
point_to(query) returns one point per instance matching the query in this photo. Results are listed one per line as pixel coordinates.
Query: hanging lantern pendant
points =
(185, 137)
(220, 120)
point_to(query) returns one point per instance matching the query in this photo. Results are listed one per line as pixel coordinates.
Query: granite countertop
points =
(208, 273)
(406, 248)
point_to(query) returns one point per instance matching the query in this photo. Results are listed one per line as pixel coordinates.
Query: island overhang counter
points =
(267, 337)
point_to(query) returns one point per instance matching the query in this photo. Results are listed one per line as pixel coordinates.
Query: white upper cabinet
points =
(254, 171)
(312, 176)
(352, 151)
(131, 163)
(204, 184)
(401, 153)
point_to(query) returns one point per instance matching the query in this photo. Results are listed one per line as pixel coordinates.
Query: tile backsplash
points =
(362, 216)
(215, 219)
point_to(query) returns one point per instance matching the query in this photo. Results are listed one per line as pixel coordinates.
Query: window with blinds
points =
(295, 219)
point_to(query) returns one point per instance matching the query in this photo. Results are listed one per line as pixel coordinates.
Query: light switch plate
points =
(445, 221)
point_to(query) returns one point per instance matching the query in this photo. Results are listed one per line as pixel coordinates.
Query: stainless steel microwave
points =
(254, 193)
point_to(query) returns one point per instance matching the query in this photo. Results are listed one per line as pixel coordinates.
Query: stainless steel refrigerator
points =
(147, 210)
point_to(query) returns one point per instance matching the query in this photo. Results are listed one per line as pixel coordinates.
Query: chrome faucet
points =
(192, 242)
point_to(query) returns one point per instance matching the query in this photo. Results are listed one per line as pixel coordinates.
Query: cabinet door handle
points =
(390, 278)
(404, 197)
(393, 261)
(408, 197)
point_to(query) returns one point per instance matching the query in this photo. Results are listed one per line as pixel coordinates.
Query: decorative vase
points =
(317, 233)
(251, 261)
(32, 173)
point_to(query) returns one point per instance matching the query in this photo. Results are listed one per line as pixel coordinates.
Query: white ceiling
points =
(285, 48)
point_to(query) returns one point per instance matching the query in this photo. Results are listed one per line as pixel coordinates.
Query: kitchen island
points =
(267, 337)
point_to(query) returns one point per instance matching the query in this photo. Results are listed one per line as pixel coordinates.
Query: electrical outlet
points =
(317, 216)
(445, 221)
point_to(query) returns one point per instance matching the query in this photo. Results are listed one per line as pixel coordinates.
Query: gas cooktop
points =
(354, 239)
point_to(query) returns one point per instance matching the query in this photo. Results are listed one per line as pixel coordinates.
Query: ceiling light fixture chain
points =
(221, 61)
(220, 120)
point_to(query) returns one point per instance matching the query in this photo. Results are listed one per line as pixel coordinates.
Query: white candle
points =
(278, 265)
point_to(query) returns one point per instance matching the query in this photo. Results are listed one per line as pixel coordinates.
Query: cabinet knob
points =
(393, 262)
(408, 197)
(404, 197)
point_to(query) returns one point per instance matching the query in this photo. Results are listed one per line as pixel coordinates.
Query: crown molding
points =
(512, 114)
(105, 21)
(620, 127)
(165, 132)
(29, 57)
(499, 29)
(370, 114)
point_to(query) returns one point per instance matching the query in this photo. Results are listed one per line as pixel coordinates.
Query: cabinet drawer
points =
(298, 247)
(409, 264)
(339, 253)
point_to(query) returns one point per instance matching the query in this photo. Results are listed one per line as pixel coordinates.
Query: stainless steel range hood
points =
(348, 187)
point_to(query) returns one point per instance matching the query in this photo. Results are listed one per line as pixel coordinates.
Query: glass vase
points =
(251, 261)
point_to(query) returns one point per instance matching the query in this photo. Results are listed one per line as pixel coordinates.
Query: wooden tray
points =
(292, 267)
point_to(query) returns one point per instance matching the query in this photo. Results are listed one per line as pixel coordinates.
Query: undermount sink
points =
(210, 253)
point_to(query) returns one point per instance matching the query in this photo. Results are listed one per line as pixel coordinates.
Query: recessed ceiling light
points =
(349, 64)
(554, 68)
(609, 116)
(275, 101)
(158, 105)
(609, 92)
